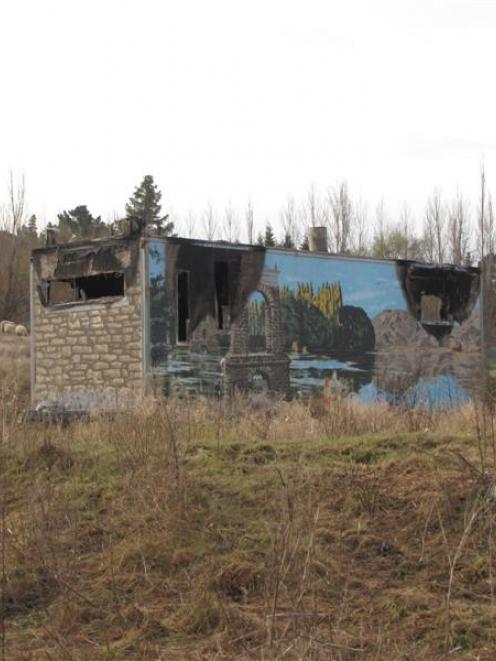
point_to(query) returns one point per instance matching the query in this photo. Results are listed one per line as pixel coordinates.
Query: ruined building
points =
(115, 318)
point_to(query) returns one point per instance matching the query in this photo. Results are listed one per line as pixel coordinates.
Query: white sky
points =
(228, 100)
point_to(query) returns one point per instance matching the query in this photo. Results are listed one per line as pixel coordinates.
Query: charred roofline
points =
(127, 239)
(69, 246)
(439, 267)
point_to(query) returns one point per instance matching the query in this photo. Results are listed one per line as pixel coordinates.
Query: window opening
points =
(86, 288)
(182, 306)
(430, 309)
(222, 294)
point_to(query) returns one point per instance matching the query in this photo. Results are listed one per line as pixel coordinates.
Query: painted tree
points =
(144, 207)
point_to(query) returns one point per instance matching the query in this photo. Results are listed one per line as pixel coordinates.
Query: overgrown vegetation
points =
(249, 530)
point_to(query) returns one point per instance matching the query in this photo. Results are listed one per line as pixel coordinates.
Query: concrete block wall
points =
(89, 354)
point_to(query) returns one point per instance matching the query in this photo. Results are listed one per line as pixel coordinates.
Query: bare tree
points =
(458, 230)
(190, 223)
(340, 216)
(231, 224)
(12, 222)
(359, 236)
(434, 227)
(482, 211)
(314, 211)
(289, 222)
(486, 240)
(405, 225)
(490, 230)
(310, 213)
(379, 248)
(209, 222)
(249, 220)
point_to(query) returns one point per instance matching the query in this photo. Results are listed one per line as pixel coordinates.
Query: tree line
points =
(451, 230)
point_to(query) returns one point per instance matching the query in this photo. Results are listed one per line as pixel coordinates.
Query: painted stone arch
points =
(241, 367)
(240, 333)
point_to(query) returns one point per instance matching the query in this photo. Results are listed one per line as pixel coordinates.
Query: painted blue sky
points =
(372, 286)
(156, 259)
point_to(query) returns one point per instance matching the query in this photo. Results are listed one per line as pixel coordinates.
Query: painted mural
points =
(312, 324)
(347, 326)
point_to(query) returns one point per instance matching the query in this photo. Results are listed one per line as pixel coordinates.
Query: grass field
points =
(203, 530)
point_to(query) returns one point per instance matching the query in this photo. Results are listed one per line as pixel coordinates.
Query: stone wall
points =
(89, 354)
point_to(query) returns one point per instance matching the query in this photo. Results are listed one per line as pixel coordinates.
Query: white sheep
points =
(21, 331)
(8, 327)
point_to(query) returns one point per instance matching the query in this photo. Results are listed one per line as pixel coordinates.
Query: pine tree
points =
(32, 226)
(260, 239)
(305, 245)
(144, 207)
(288, 241)
(269, 239)
(79, 223)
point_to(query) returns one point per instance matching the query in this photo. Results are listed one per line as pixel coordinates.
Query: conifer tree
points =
(33, 225)
(269, 239)
(288, 241)
(79, 223)
(144, 207)
(305, 245)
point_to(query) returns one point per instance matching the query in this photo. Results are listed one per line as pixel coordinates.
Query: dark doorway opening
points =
(182, 306)
(222, 294)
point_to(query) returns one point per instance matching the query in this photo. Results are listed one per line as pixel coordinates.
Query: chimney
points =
(317, 239)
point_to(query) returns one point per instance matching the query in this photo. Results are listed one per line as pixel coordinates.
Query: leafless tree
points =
(190, 224)
(434, 228)
(209, 222)
(359, 237)
(249, 221)
(405, 226)
(486, 239)
(458, 229)
(289, 221)
(490, 231)
(12, 222)
(310, 212)
(314, 211)
(230, 224)
(339, 216)
(482, 212)
(380, 230)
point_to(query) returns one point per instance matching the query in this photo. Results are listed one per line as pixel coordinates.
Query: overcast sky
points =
(228, 100)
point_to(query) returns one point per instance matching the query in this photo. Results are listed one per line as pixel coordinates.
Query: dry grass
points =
(197, 530)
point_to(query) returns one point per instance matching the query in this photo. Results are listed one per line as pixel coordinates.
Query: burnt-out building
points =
(116, 318)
